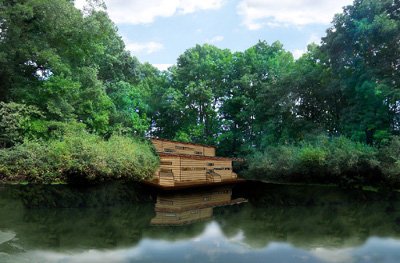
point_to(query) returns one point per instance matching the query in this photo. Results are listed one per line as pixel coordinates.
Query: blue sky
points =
(158, 31)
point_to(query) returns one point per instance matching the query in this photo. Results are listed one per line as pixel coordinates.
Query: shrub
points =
(311, 161)
(352, 162)
(28, 161)
(276, 163)
(320, 159)
(346, 156)
(16, 122)
(389, 156)
(78, 157)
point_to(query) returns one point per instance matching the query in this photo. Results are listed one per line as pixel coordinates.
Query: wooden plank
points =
(191, 184)
(153, 140)
(187, 167)
(209, 151)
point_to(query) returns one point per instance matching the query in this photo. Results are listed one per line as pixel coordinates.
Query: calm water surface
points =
(251, 222)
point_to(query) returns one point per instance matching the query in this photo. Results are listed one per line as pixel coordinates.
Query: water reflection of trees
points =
(68, 217)
(312, 216)
(120, 215)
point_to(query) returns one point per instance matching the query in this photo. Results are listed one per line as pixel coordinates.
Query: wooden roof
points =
(195, 157)
(187, 143)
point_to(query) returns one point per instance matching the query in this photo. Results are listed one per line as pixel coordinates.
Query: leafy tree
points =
(201, 75)
(363, 51)
(16, 122)
(317, 104)
(256, 99)
(62, 61)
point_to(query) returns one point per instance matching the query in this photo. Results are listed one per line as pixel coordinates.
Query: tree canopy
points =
(72, 65)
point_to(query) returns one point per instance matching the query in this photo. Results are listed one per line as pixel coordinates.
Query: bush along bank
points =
(78, 157)
(335, 160)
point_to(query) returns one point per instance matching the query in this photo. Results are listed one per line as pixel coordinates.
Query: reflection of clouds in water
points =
(6, 236)
(117, 256)
(379, 250)
(211, 231)
(213, 246)
(333, 255)
(374, 250)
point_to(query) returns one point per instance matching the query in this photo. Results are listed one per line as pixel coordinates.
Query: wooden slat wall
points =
(225, 174)
(166, 181)
(179, 166)
(175, 166)
(157, 144)
(223, 168)
(215, 177)
(209, 151)
(198, 175)
(188, 149)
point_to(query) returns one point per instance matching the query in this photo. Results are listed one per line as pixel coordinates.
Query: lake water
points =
(251, 222)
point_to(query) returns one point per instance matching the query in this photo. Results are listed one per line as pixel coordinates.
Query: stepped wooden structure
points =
(187, 208)
(185, 164)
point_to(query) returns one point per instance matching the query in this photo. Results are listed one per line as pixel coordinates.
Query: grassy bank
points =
(328, 160)
(77, 157)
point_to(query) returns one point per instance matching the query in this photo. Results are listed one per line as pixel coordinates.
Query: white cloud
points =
(162, 66)
(80, 4)
(259, 13)
(297, 53)
(145, 11)
(314, 38)
(215, 39)
(144, 47)
(87, 5)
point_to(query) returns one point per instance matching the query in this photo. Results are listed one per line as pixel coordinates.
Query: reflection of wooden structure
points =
(190, 164)
(180, 209)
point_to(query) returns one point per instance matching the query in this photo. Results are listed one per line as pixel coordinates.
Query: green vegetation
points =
(60, 65)
(78, 157)
(321, 160)
(329, 160)
(71, 96)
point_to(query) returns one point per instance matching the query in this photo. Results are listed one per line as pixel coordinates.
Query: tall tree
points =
(256, 101)
(69, 64)
(201, 75)
(364, 54)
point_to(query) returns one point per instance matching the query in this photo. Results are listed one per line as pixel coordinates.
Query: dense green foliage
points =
(70, 66)
(78, 157)
(62, 65)
(246, 101)
(321, 160)
(329, 160)
(59, 65)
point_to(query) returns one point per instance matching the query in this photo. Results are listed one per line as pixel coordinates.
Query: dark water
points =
(247, 223)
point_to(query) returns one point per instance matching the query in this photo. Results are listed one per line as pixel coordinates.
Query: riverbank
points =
(78, 157)
(324, 160)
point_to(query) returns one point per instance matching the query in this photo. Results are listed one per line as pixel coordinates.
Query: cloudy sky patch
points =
(257, 14)
(145, 12)
(160, 30)
(144, 48)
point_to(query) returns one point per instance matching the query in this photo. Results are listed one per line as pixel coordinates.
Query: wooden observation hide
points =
(190, 164)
